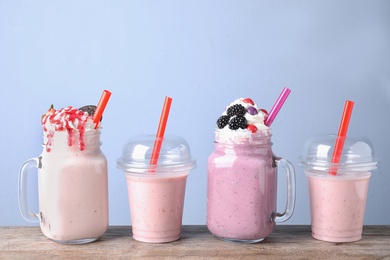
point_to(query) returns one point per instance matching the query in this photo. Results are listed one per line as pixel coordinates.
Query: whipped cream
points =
(253, 124)
(65, 123)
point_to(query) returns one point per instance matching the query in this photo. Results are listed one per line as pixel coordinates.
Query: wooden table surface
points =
(286, 242)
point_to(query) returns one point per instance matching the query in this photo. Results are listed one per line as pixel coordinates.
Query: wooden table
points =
(286, 242)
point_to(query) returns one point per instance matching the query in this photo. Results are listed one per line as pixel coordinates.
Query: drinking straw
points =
(161, 130)
(101, 106)
(277, 106)
(342, 133)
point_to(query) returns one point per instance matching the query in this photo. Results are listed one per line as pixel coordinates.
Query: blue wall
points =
(203, 54)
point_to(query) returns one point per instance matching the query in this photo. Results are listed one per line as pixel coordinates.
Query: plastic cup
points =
(156, 197)
(338, 202)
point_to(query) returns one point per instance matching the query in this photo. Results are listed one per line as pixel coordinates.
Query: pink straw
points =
(277, 106)
(342, 133)
(160, 131)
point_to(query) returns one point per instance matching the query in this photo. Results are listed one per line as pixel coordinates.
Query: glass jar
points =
(242, 188)
(72, 188)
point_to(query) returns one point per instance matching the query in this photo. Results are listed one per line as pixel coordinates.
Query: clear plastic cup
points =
(338, 202)
(156, 192)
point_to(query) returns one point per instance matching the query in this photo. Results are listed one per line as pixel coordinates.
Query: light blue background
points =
(204, 54)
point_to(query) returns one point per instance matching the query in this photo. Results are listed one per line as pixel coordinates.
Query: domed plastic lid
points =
(357, 155)
(174, 155)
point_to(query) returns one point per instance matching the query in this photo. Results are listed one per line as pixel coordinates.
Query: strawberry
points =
(252, 128)
(49, 112)
(248, 100)
(264, 111)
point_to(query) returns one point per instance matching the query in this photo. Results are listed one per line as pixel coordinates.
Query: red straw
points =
(277, 106)
(101, 106)
(343, 128)
(161, 130)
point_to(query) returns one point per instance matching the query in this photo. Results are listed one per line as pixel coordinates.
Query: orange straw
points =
(343, 128)
(101, 106)
(161, 130)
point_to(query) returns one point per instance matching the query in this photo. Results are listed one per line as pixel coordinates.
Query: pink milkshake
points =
(338, 202)
(72, 179)
(156, 192)
(242, 177)
(241, 189)
(337, 206)
(156, 207)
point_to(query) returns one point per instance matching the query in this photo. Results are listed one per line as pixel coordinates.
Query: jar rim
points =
(90, 138)
(243, 137)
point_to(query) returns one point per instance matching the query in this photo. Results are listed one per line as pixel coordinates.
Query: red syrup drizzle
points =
(64, 120)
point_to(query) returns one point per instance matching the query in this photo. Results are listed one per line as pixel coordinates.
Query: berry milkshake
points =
(156, 206)
(242, 176)
(338, 202)
(72, 178)
(156, 192)
(337, 206)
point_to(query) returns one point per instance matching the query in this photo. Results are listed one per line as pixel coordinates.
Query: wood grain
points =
(286, 242)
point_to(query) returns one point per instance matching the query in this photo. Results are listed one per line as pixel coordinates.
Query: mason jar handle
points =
(290, 202)
(22, 195)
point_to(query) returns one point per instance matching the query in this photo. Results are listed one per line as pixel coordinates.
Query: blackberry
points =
(223, 121)
(238, 122)
(236, 110)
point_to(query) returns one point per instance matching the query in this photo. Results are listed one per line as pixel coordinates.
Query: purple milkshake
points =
(242, 177)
